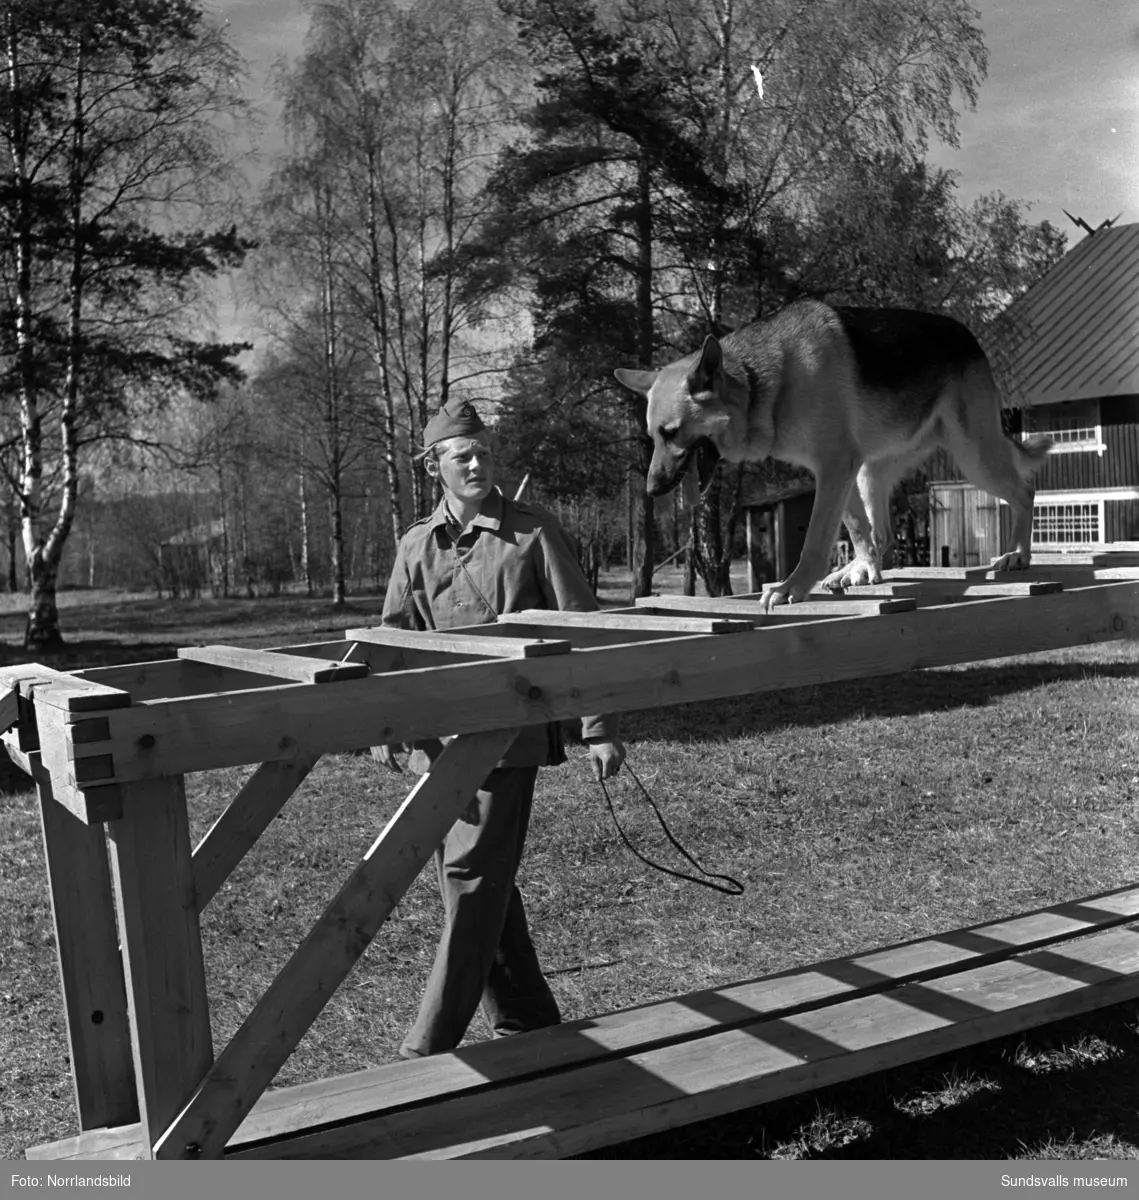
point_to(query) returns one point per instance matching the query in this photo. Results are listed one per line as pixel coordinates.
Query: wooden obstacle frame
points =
(108, 749)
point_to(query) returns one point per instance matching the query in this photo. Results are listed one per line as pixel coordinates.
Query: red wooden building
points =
(1070, 365)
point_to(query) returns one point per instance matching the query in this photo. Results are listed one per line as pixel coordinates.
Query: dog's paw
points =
(773, 597)
(858, 573)
(1013, 561)
(782, 593)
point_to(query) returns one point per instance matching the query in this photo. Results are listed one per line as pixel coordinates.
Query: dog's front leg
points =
(833, 486)
(867, 520)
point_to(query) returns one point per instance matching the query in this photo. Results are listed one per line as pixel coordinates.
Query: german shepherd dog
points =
(858, 396)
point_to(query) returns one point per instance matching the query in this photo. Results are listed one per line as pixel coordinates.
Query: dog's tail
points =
(1031, 452)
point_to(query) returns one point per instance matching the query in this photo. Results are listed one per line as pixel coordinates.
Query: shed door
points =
(965, 530)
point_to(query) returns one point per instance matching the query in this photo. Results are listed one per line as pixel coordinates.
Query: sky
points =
(1056, 124)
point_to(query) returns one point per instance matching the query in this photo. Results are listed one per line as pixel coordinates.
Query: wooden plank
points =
(200, 733)
(178, 678)
(490, 646)
(174, 677)
(484, 1066)
(90, 969)
(245, 819)
(162, 949)
(308, 980)
(271, 662)
(953, 588)
(1070, 576)
(631, 622)
(817, 606)
(762, 1061)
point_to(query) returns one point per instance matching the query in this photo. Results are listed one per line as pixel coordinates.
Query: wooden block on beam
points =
(626, 621)
(462, 642)
(279, 666)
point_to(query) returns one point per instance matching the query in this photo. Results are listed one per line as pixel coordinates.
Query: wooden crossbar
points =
(749, 605)
(945, 589)
(464, 642)
(271, 662)
(355, 1112)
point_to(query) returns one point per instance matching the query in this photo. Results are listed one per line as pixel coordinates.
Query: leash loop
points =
(733, 886)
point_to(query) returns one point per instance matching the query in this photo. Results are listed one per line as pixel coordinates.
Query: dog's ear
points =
(636, 381)
(711, 360)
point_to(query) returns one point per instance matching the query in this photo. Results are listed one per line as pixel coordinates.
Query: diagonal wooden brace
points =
(283, 1015)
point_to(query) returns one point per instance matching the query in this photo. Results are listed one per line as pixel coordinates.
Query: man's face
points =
(465, 468)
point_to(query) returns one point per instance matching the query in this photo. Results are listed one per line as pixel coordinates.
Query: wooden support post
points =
(90, 969)
(308, 980)
(162, 949)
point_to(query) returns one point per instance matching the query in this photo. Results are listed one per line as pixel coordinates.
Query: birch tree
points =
(108, 114)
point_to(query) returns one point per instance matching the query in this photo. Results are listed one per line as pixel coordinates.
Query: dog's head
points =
(688, 417)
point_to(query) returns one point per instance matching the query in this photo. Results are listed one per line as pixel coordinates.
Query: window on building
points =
(1066, 524)
(1072, 427)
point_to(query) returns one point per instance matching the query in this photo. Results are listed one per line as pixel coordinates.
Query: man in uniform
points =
(477, 555)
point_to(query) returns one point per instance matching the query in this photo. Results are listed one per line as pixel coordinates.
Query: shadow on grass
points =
(907, 694)
(1072, 1082)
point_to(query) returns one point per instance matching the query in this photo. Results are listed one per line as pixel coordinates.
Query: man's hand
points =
(606, 758)
(385, 756)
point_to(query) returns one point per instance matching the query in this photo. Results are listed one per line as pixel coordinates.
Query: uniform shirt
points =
(512, 556)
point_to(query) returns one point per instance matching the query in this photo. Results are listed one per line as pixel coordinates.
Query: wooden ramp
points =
(596, 1082)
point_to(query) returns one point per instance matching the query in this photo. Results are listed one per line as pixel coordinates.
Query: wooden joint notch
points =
(27, 683)
(483, 645)
(291, 667)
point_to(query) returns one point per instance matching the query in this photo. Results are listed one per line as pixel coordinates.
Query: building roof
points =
(1075, 334)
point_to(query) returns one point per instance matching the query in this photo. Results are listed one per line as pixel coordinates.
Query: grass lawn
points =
(857, 815)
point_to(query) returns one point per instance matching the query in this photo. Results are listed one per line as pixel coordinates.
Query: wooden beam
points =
(487, 1066)
(308, 980)
(202, 733)
(90, 969)
(502, 645)
(246, 818)
(279, 666)
(162, 950)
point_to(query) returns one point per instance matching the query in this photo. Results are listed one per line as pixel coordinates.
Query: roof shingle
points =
(1077, 331)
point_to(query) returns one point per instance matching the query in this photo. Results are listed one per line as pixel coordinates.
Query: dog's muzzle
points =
(706, 457)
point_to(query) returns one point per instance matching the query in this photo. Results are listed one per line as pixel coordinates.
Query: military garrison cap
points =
(457, 418)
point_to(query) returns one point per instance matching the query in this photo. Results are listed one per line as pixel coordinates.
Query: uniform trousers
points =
(485, 955)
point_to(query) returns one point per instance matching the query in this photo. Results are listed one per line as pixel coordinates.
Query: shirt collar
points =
(489, 515)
